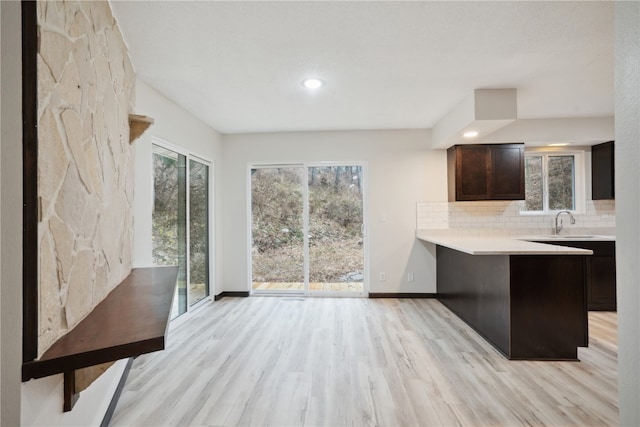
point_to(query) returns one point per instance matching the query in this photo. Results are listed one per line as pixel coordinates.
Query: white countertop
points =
(568, 238)
(500, 244)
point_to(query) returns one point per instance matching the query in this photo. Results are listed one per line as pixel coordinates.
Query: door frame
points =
(365, 234)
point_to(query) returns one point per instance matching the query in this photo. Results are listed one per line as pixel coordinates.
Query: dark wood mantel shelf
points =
(132, 320)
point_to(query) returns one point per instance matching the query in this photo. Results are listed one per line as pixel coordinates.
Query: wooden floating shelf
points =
(132, 320)
(138, 125)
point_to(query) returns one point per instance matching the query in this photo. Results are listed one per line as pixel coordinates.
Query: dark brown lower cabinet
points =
(601, 290)
(601, 273)
(530, 307)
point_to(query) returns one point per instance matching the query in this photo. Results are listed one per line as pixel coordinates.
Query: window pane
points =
(198, 231)
(533, 183)
(336, 256)
(170, 218)
(561, 182)
(277, 229)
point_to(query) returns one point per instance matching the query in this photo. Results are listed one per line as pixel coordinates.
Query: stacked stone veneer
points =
(85, 163)
(598, 217)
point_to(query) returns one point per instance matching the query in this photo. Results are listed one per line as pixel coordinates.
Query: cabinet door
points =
(602, 283)
(507, 172)
(601, 273)
(602, 171)
(472, 172)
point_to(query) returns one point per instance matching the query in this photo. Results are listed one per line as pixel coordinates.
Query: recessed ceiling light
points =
(312, 83)
(470, 134)
(559, 144)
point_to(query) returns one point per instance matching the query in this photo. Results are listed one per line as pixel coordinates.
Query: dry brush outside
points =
(335, 219)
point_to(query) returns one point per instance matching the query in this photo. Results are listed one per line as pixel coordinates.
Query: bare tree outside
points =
(558, 173)
(172, 223)
(277, 225)
(534, 188)
(335, 225)
(561, 185)
(169, 231)
(198, 231)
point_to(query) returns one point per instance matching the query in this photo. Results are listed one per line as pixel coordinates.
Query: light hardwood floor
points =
(286, 361)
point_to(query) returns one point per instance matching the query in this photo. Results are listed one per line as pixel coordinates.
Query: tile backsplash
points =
(505, 215)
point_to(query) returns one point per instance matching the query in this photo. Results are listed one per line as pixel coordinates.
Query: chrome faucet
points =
(559, 227)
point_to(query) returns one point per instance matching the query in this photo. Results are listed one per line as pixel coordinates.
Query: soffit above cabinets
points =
(484, 112)
(492, 113)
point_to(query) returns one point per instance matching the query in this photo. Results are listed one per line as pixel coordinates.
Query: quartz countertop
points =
(501, 244)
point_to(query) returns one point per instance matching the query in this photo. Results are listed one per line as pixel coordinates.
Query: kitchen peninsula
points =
(527, 299)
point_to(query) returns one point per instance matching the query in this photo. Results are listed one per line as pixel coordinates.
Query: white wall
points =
(402, 170)
(43, 400)
(178, 127)
(627, 110)
(10, 213)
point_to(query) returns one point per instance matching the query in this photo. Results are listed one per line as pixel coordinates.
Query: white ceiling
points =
(238, 65)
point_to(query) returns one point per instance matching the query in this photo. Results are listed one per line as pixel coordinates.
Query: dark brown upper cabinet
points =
(486, 172)
(603, 171)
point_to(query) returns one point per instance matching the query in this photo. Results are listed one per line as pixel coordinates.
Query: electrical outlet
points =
(383, 276)
(410, 277)
(383, 217)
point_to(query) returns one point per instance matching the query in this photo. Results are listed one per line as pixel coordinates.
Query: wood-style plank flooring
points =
(287, 361)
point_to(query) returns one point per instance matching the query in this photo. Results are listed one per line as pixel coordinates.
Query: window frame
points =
(579, 178)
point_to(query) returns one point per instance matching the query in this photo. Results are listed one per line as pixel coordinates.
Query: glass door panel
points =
(198, 231)
(169, 230)
(336, 255)
(277, 229)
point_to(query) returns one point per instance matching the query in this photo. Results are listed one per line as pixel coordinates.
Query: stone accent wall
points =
(86, 86)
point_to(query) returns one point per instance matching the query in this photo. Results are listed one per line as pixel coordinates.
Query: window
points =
(553, 182)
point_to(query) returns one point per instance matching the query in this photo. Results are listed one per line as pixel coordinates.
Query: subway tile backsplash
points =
(599, 216)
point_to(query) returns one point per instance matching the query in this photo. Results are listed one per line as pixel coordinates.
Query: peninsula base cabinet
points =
(600, 272)
(529, 307)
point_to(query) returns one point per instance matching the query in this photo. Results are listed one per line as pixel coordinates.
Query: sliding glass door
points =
(307, 229)
(180, 230)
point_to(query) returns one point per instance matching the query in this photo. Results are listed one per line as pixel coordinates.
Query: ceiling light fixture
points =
(559, 144)
(312, 83)
(470, 134)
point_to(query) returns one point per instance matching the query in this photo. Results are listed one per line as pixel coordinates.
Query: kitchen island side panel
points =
(476, 289)
(548, 307)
